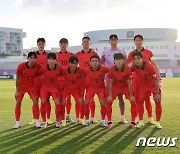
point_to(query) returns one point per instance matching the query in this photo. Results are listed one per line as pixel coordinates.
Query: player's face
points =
(113, 42)
(32, 60)
(85, 43)
(95, 63)
(73, 66)
(41, 45)
(119, 62)
(137, 60)
(51, 61)
(63, 46)
(138, 42)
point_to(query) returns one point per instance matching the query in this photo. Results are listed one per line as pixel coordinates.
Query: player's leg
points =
(158, 111)
(149, 110)
(93, 109)
(48, 112)
(68, 109)
(89, 96)
(102, 98)
(122, 108)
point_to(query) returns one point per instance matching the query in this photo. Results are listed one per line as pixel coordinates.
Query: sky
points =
(55, 19)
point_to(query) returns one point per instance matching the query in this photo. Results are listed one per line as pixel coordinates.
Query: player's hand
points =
(109, 98)
(157, 97)
(16, 93)
(132, 98)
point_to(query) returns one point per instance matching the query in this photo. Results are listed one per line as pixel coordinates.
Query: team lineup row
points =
(84, 74)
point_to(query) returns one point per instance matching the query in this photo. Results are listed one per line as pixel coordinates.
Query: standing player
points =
(49, 78)
(42, 60)
(147, 57)
(96, 74)
(72, 76)
(107, 60)
(120, 83)
(84, 60)
(150, 84)
(25, 74)
(63, 59)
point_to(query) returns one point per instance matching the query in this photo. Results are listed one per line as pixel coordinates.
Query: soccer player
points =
(84, 60)
(25, 74)
(107, 60)
(149, 84)
(63, 59)
(72, 76)
(119, 77)
(42, 60)
(147, 57)
(96, 85)
(49, 78)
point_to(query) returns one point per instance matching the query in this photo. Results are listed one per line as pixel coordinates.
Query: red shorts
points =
(101, 92)
(46, 92)
(61, 83)
(75, 93)
(31, 91)
(116, 92)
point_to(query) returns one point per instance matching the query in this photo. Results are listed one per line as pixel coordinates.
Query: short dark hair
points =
(52, 55)
(86, 37)
(137, 53)
(113, 36)
(41, 40)
(95, 56)
(64, 40)
(138, 36)
(118, 56)
(72, 59)
(31, 53)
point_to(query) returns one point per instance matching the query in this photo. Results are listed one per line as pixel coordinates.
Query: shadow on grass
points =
(140, 149)
(78, 143)
(115, 145)
(50, 137)
(26, 139)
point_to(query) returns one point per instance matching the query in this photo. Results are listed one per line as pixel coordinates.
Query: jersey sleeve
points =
(151, 56)
(19, 70)
(129, 60)
(152, 71)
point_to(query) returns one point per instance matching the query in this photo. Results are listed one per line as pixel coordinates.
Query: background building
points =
(11, 41)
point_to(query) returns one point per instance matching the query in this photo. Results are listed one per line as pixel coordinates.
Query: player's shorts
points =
(123, 91)
(101, 93)
(46, 92)
(74, 92)
(61, 83)
(33, 94)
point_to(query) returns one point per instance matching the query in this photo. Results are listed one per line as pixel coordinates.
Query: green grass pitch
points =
(75, 138)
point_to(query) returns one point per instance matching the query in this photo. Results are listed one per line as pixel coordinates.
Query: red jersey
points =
(27, 74)
(72, 79)
(41, 58)
(119, 78)
(147, 74)
(84, 58)
(147, 55)
(63, 58)
(50, 77)
(96, 78)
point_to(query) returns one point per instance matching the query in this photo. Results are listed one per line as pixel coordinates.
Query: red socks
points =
(17, 112)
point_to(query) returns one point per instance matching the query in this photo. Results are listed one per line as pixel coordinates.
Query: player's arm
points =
(110, 82)
(102, 59)
(132, 98)
(157, 95)
(156, 69)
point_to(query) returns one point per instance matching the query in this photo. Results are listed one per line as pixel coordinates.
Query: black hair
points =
(113, 36)
(137, 53)
(118, 56)
(52, 55)
(138, 36)
(41, 40)
(64, 40)
(32, 54)
(86, 37)
(95, 56)
(72, 59)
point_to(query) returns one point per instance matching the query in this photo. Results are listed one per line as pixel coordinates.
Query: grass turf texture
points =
(75, 138)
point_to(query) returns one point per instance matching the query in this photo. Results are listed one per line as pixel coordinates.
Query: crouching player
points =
(149, 85)
(49, 78)
(25, 74)
(73, 76)
(96, 74)
(120, 83)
